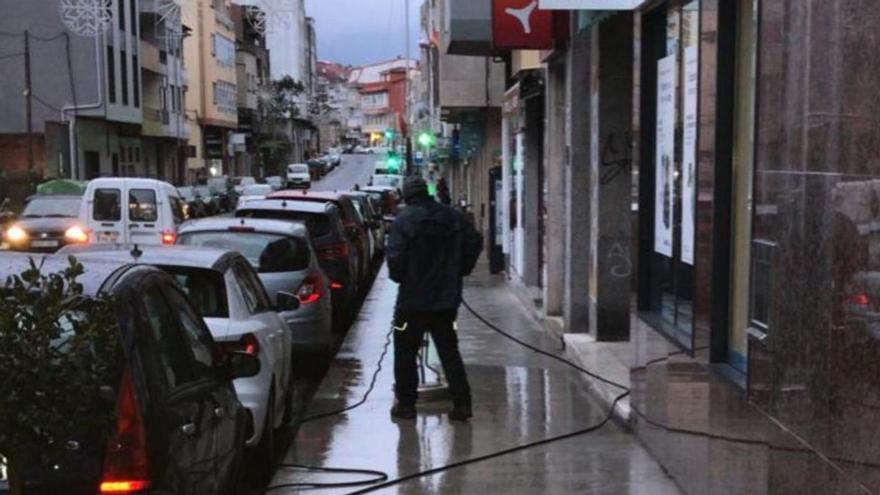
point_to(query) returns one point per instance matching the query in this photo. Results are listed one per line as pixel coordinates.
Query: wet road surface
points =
(519, 397)
(355, 169)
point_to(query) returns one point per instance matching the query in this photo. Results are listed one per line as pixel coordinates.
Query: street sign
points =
(521, 24)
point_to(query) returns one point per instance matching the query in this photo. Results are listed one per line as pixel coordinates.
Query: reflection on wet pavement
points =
(519, 397)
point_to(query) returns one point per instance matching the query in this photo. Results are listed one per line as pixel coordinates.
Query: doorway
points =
(92, 164)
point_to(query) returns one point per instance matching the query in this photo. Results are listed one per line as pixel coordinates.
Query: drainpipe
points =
(71, 127)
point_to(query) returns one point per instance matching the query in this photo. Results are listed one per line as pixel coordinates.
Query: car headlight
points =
(16, 234)
(76, 234)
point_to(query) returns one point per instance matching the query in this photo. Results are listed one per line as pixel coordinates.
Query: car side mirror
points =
(241, 365)
(287, 301)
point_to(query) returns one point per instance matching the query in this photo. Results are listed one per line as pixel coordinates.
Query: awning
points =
(62, 187)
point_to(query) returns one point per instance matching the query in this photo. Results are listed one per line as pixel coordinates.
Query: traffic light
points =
(389, 135)
(393, 163)
(426, 139)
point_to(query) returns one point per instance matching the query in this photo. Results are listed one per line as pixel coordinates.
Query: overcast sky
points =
(359, 32)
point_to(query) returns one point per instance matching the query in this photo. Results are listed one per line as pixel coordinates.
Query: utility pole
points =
(29, 100)
(406, 122)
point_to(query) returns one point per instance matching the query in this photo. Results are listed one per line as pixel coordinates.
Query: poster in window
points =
(689, 153)
(664, 200)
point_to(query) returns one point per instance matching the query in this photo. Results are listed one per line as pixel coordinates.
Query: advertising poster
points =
(664, 201)
(689, 154)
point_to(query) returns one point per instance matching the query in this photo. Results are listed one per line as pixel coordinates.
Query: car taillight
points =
(126, 462)
(336, 285)
(168, 237)
(310, 291)
(337, 251)
(860, 299)
(248, 344)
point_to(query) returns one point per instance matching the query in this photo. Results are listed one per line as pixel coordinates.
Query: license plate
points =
(107, 237)
(44, 244)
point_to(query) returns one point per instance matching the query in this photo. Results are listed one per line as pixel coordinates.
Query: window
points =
(206, 289)
(268, 253)
(177, 210)
(107, 205)
(123, 73)
(137, 83)
(224, 97)
(120, 13)
(133, 11)
(317, 224)
(142, 205)
(166, 338)
(111, 75)
(251, 289)
(224, 50)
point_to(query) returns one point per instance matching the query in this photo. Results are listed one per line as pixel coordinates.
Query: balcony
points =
(468, 27)
(151, 58)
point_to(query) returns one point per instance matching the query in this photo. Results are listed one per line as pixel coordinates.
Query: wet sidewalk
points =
(519, 397)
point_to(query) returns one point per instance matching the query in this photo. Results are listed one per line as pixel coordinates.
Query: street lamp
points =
(426, 139)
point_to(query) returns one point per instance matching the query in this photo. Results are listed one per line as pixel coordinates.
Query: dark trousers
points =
(406, 347)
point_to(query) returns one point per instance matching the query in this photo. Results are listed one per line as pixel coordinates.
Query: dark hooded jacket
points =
(430, 250)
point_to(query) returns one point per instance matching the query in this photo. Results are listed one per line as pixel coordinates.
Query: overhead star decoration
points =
(168, 20)
(267, 16)
(87, 18)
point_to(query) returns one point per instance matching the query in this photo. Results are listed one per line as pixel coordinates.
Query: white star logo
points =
(524, 15)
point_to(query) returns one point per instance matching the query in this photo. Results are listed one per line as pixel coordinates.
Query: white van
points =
(298, 175)
(131, 211)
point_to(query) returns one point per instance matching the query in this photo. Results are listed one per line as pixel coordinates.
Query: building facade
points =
(212, 99)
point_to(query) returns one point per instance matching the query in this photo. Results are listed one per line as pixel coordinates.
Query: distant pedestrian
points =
(431, 249)
(443, 192)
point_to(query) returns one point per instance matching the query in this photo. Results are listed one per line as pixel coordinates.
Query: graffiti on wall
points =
(616, 158)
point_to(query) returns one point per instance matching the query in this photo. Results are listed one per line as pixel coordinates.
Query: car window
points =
(197, 336)
(251, 288)
(269, 253)
(106, 207)
(206, 289)
(166, 336)
(257, 190)
(177, 210)
(142, 205)
(317, 224)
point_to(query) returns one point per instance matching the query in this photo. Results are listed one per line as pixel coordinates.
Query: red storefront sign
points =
(520, 24)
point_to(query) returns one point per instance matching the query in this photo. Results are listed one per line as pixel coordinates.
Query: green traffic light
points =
(426, 140)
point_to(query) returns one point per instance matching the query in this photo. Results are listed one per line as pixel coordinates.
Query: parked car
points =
(254, 192)
(275, 182)
(373, 220)
(395, 181)
(211, 203)
(355, 229)
(178, 415)
(193, 206)
(223, 188)
(239, 183)
(131, 211)
(387, 196)
(285, 261)
(241, 317)
(337, 254)
(299, 176)
(317, 168)
(46, 224)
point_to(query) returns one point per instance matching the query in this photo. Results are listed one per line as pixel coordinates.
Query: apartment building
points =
(212, 98)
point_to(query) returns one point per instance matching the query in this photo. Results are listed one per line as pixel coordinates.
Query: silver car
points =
(282, 254)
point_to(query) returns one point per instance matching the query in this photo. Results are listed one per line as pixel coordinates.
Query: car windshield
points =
(205, 288)
(317, 224)
(47, 206)
(257, 190)
(386, 180)
(203, 191)
(299, 169)
(268, 253)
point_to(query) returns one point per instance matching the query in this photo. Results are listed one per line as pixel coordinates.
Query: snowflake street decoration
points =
(267, 16)
(168, 21)
(86, 18)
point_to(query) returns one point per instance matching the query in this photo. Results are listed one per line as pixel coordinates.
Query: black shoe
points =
(461, 412)
(402, 411)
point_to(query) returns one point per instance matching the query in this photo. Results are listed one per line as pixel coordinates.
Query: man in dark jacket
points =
(430, 250)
